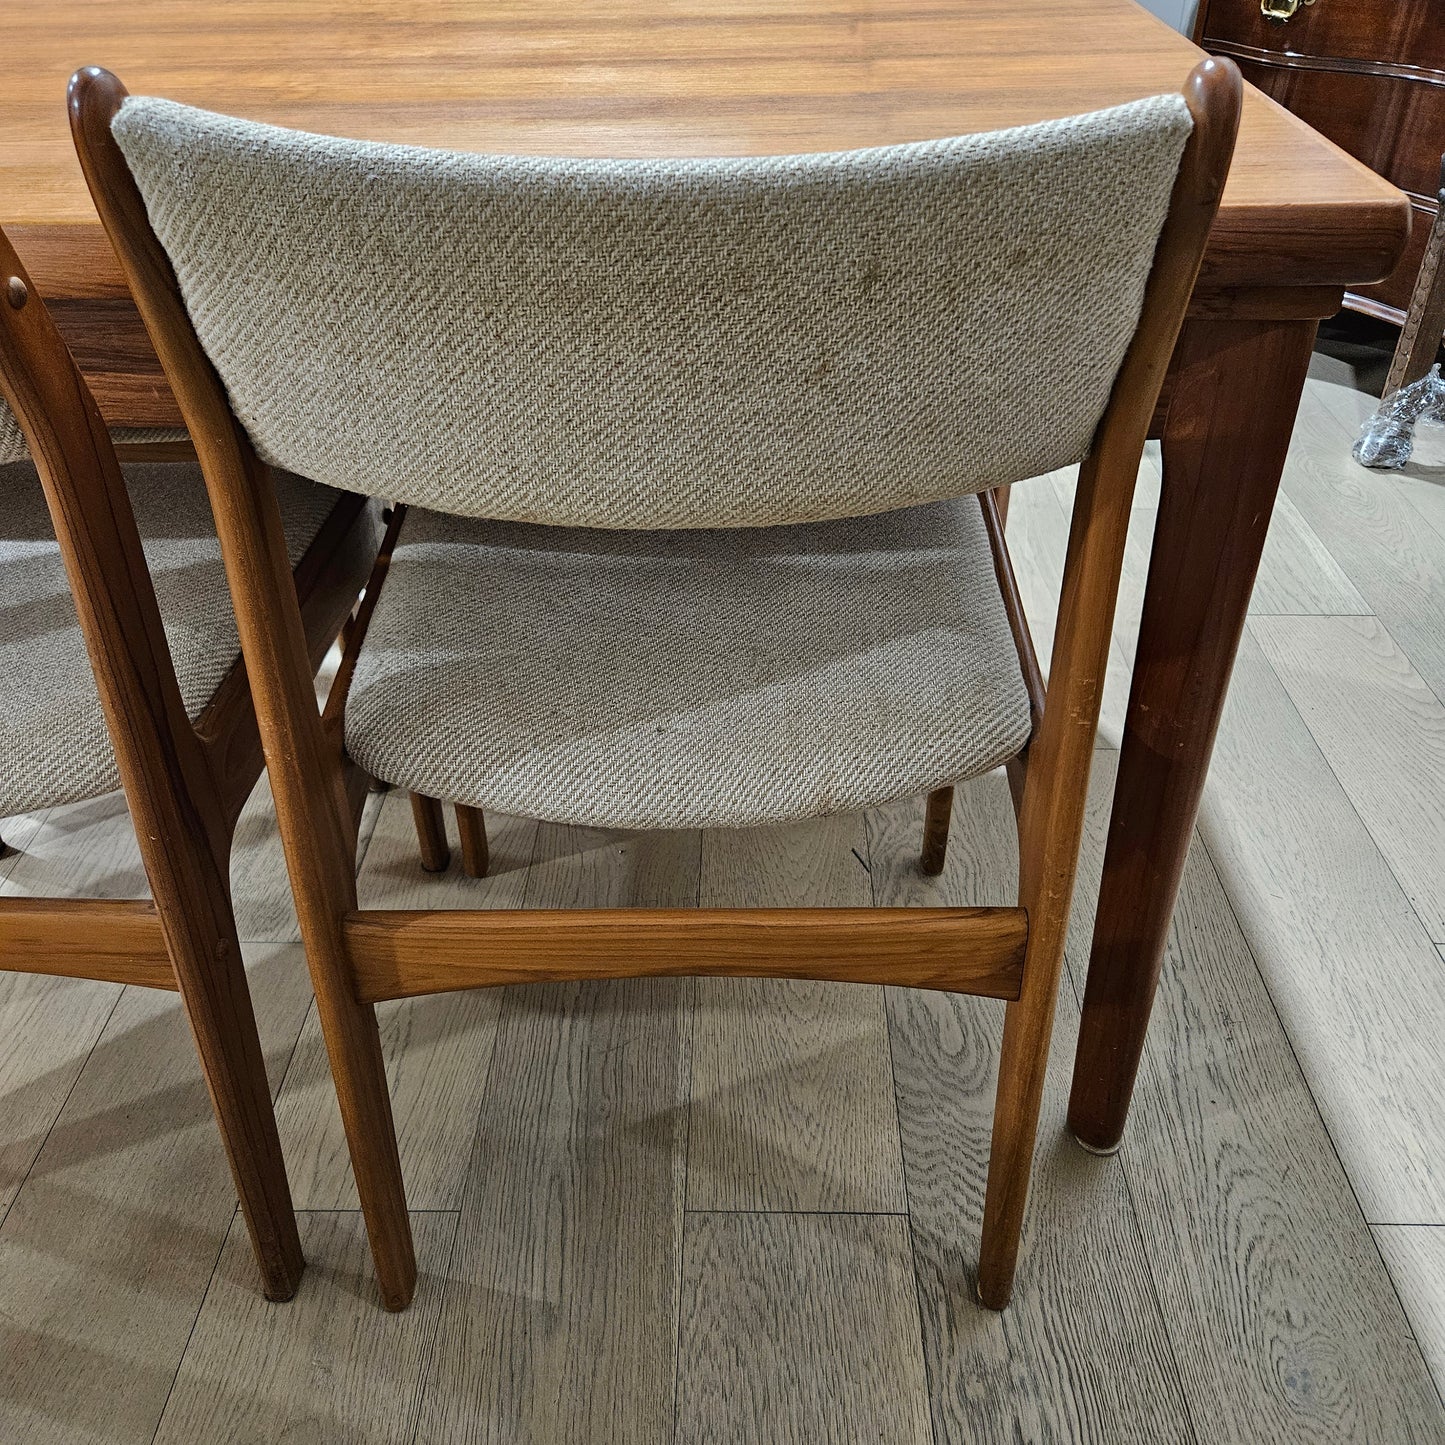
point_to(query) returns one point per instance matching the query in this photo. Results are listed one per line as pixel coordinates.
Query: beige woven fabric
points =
(12, 440)
(656, 344)
(54, 747)
(688, 679)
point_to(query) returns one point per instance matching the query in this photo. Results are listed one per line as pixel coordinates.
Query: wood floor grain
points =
(559, 1319)
(331, 1365)
(769, 1300)
(1350, 967)
(1082, 1354)
(108, 1249)
(792, 1096)
(1415, 1254)
(1382, 731)
(1284, 1324)
(438, 1049)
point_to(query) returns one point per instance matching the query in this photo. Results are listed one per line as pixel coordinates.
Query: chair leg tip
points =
(1102, 1151)
(991, 1297)
(930, 865)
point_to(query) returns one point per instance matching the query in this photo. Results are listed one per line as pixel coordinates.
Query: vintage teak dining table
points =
(1300, 222)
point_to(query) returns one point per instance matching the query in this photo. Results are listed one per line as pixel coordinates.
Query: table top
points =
(657, 77)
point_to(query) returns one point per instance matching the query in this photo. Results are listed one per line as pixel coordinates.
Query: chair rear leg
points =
(1028, 1027)
(358, 1071)
(472, 826)
(431, 833)
(935, 830)
(211, 976)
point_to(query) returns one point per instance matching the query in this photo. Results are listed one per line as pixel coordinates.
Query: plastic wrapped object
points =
(1387, 437)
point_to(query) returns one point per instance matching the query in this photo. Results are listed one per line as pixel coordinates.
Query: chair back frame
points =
(357, 957)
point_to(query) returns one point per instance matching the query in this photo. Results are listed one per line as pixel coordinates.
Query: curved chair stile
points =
(360, 956)
(185, 781)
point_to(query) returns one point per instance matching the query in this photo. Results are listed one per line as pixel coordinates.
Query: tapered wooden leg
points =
(935, 830)
(211, 977)
(431, 833)
(1028, 1023)
(1225, 439)
(353, 1049)
(472, 826)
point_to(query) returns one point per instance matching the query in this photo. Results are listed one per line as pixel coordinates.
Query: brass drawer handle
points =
(1281, 10)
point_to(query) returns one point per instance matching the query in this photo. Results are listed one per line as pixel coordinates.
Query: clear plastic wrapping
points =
(1387, 437)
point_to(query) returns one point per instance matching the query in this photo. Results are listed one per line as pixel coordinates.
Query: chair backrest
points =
(656, 344)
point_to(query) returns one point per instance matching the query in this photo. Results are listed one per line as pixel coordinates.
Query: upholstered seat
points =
(688, 679)
(54, 747)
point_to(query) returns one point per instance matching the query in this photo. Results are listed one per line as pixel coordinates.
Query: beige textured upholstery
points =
(663, 344)
(683, 679)
(53, 742)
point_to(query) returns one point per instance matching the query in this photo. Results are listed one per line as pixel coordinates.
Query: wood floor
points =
(715, 1211)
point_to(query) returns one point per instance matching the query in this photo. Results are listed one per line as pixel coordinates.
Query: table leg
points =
(1236, 388)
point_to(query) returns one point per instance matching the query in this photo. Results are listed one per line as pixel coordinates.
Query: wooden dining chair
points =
(690, 455)
(120, 666)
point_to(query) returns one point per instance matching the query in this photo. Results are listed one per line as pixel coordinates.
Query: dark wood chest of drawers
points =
(1369, 74)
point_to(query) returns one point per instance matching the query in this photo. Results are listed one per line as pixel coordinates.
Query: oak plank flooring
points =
(331, 1365)
(769, 1300)
(1082, 1353)
(1382, 731)
(108, 1249)
(1378, 536)
(1349, 965)
(792, 1096)
(1415, 1255)
(438, 1049)
(1284, 1323)
(559, 1320)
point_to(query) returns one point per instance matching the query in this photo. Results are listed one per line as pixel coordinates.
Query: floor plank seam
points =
(55, 1118)
(929, 1383)
(424, 1364)
(195, 1320)
(1370, 1226)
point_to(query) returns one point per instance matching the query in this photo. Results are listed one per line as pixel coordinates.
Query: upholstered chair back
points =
(663, 344)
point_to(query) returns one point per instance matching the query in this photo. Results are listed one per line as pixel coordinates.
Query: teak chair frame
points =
(358, 957)
(185, 782)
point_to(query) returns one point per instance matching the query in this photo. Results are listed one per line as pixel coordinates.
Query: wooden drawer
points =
(1370, 74)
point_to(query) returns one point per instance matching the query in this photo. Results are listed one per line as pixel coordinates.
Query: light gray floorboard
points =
(1349, 965)
(792, 1098)
(1415, 1254)
(438, 1049)
(1284, 1324)
(1081, 1354)
(1382, 731)
(772, 1300)
(331, 1365)
(559, 1321)
(107, 1251)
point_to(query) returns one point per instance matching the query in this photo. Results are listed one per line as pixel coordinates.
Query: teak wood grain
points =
(309, 765)
(597, 78)
(184, 784)
(398, 954)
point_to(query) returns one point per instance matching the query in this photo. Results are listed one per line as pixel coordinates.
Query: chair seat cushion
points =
(54, 747)
(688, 679)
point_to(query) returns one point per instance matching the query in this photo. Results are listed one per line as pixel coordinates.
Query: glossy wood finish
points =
(309, 765)
(184, 783)
(1231, 415)
(400, 954)
(472, 830)
(599, 78)
(431, 833)
(86, 938)
(1370, 74)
